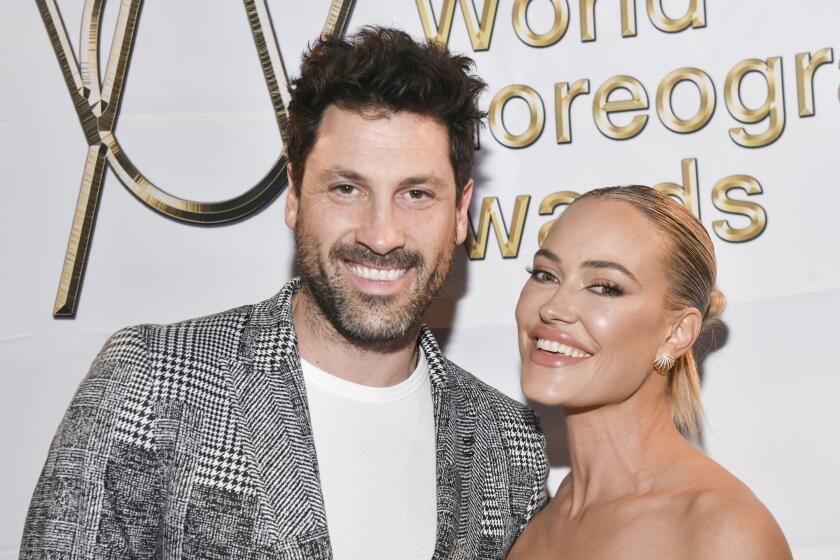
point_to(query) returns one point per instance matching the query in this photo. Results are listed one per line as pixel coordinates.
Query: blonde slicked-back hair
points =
(692, 270)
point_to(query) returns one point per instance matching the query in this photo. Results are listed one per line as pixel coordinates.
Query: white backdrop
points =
(197, 120)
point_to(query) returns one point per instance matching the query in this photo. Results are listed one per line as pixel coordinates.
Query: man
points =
(323, 422)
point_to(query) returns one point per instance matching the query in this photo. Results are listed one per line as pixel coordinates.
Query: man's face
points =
(376, 221)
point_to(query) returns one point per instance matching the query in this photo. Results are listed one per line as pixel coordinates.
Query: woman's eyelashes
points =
(540, 274)
(600, 287)
(607, 289)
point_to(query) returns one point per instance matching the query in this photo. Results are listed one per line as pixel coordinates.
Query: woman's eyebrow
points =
(589, 264)
(611, 265)
(547, 254)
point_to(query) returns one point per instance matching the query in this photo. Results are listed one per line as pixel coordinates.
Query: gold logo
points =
(97, 103)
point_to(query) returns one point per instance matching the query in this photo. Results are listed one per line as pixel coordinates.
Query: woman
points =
(619, 292)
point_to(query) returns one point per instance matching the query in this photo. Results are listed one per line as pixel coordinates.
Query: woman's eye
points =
(605, 289)
(541, 275)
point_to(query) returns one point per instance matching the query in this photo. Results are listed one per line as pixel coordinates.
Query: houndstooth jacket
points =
(193, 440)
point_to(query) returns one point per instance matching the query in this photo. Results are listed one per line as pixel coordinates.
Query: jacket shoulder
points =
(210, 334)
(144, 365)
(500, 402)
(518, 425)
(126, 346)
(211, 337)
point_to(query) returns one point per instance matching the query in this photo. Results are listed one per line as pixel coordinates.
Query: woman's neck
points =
(622, 449)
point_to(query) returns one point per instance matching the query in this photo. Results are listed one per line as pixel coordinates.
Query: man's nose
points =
(382, 231)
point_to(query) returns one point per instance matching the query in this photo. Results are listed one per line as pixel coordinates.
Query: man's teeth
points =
(383, 274)
(556, 347)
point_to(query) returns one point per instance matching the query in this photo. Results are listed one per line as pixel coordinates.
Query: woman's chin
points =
(548, 392)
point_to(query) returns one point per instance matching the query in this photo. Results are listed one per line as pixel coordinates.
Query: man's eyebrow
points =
(351, 175)
(422, 180)
(343, 173)
(611, 265)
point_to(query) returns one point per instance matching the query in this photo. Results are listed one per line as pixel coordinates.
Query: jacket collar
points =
(269, 384)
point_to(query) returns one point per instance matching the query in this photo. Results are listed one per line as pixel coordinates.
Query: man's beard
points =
(367, 319)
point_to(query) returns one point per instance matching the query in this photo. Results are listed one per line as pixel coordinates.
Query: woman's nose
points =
(559, 309)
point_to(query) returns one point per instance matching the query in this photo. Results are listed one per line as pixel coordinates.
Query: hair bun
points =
(717, 303)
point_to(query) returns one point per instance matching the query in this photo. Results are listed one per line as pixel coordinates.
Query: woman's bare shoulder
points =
(725, 520)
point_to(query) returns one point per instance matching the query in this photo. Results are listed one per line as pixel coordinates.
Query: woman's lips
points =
(553, 348)
(559, 336)
(556, 347)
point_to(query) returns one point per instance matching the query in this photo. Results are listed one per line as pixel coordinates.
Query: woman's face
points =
(591, 318)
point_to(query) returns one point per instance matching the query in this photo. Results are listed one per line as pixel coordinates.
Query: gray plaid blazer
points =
(193, 440)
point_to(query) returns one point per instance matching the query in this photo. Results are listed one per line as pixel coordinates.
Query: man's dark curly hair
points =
(385, 69)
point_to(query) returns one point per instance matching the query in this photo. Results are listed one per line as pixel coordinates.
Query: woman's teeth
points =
(383, 274)
(557, 348)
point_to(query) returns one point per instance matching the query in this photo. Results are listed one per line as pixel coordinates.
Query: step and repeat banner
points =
(143, 181)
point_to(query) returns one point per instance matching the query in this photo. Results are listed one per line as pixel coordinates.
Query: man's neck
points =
(321, 345)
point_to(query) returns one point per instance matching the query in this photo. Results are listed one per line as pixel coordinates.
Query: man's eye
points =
(418, 194)
(345, 190)
(541, 275)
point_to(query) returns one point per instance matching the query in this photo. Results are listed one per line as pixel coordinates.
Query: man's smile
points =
(377, 281)
(376, 273)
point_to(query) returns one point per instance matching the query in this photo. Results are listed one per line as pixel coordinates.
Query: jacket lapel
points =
(448, 476)
(269, 391)
(270, 398)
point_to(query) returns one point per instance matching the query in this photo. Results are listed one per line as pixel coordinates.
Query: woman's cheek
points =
(601, 319)
(528, 307)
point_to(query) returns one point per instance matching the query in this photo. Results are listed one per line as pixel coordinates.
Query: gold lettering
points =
(535, 109)
(687, 193)
(563, 97)
(439, 31)
(509, 241)
(602, 107)
(695, 17)
(628, 18)
(773, 107)
(97, 106)
(805, 68)
(587, 19)
(665, 109)
(549, 204)
(527, 35)
(752, 210)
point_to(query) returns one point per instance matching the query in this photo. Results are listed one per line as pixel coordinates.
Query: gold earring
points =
(663, 363)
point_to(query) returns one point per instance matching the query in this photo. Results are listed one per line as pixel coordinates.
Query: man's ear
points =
(292, 201)
(462, 218)
(684, 332)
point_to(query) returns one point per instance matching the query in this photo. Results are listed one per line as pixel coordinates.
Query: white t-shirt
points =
(376, 459)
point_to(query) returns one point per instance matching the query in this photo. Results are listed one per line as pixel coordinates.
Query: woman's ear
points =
(684, 332)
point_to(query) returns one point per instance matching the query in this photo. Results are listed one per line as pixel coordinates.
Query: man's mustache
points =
(398, 258)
